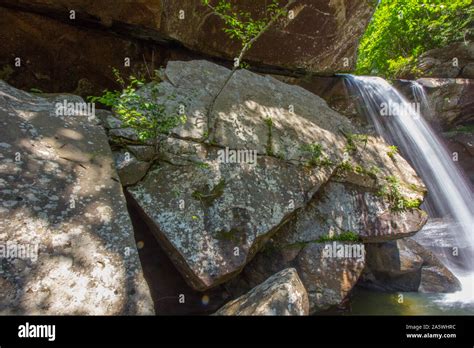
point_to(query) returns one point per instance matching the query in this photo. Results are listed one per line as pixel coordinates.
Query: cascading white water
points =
(450, 195)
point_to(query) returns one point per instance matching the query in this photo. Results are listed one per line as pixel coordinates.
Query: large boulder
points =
(453, 61)
(404, 265)
(66, 238)
(213, 213)
(281, 294)
(328, 270)
(302, 40)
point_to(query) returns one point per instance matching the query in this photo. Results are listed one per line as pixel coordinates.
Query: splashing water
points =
(449, 193)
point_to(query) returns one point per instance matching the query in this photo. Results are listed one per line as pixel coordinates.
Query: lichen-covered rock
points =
(328, 277)
(213, 217)
(212, 212)
(404, 265)
(281, 294)
(328, 270)
(66, 238)
(129, 169)
(341, 208)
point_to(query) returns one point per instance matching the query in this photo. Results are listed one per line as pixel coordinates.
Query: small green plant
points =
(269, 123)
(316, 154)
(391, 190)
(240, 26)
(346, 167)
(392, 151)
(345, 236)
(353, 139)
(36, 90)
(203, 165)
(144, 114)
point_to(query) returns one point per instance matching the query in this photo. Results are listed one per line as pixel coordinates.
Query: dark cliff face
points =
(76, 55)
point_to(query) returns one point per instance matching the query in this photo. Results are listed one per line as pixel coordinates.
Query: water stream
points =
(450, 196)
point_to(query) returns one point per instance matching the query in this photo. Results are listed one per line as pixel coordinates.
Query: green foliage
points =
(392, 151)
(353, 139)
(269, 149)
(316, 155)
(401, 30)
(391, 190)
(240, 25)
(142, 113)
(345, 236)
(345, 166)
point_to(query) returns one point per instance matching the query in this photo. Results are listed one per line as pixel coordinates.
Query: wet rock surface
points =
(404, 265)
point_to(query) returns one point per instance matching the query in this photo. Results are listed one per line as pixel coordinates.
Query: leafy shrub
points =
(398, 202)
(316, 155)
(401, 30)
(392, 151)
(144, 114)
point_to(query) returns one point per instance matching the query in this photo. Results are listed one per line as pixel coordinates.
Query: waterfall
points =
(400, 122)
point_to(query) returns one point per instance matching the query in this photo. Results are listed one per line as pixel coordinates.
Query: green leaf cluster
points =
(240, 25)
(316, 154)
(398, 202)
(401, 30)
(148, 117)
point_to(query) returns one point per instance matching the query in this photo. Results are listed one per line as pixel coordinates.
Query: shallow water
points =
(365, 302)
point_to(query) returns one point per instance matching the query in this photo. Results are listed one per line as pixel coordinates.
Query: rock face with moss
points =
(63, 215)
(213, 213)
(281, 294)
